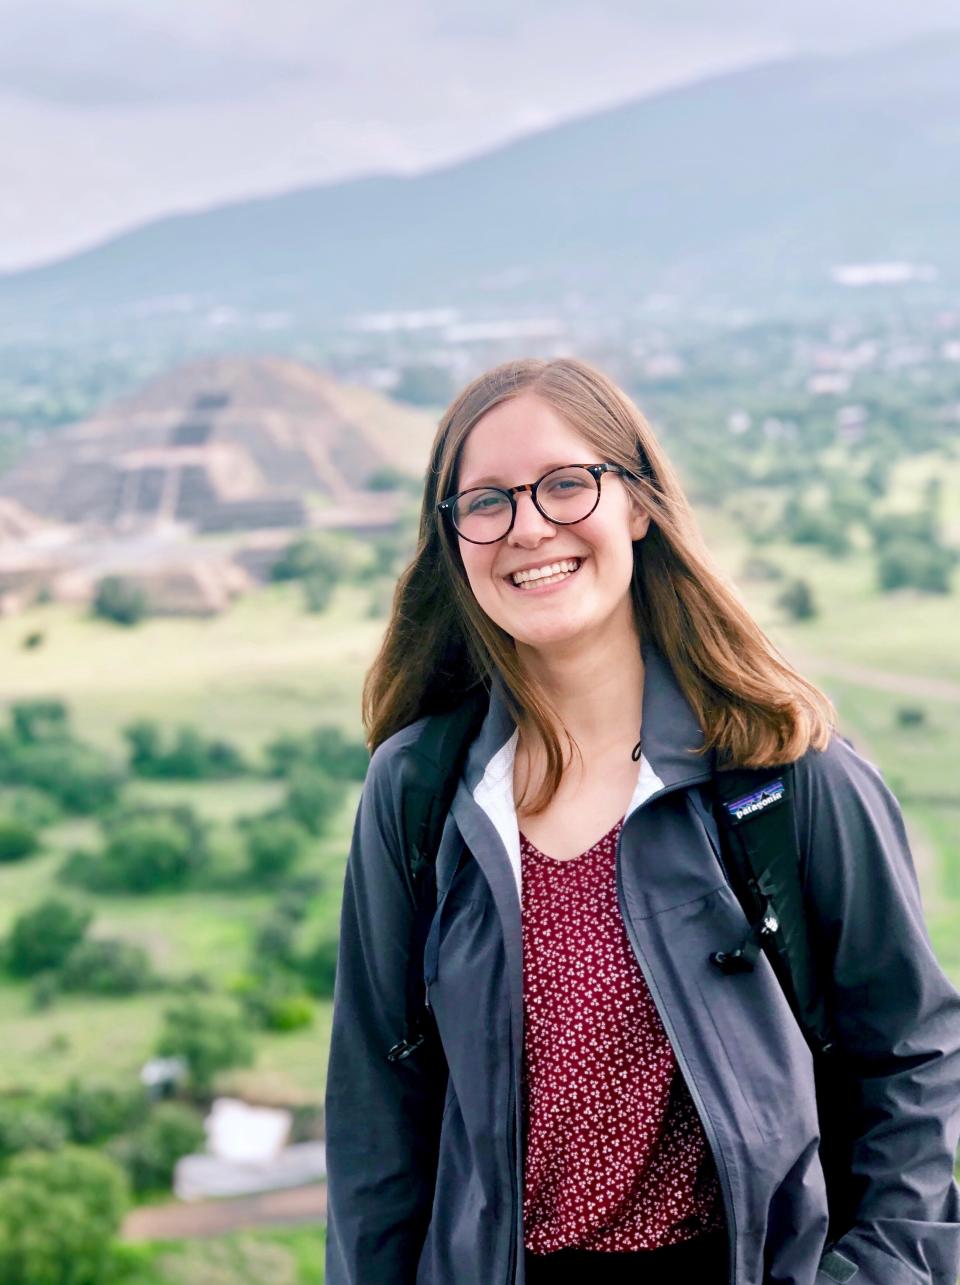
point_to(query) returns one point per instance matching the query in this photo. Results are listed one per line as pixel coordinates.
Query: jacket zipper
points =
(708, 1128)
(513, 1165)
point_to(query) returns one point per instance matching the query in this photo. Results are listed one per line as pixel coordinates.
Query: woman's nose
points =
(529, 526)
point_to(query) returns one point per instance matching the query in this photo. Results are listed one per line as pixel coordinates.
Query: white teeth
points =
(544, 573)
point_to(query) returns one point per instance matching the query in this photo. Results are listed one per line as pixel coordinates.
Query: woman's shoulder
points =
(838, 766)
(849, 821)
(384, 771)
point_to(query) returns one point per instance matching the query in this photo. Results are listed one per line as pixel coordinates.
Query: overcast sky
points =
(113, 112)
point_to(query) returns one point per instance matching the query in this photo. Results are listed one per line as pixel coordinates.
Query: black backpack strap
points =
(430, 769)
(754, 812)
(754, 809)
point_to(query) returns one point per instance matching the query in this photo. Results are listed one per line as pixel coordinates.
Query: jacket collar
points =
(671, 739)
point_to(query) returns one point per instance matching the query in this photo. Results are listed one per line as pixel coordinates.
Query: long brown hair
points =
(754, 708)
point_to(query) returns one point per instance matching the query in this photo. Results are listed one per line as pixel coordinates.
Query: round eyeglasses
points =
(566, 495)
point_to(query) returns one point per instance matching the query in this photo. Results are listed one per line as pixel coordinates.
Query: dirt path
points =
(214, 1217)
(884, 680)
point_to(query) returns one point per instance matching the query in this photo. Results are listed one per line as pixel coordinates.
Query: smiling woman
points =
(593, 1086)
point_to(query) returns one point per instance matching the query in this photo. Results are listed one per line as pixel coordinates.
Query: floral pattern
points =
(616, 1157)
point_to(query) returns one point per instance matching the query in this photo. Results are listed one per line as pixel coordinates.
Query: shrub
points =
(326, 747)
(146, 849)
(26, 1126)
(104, 966)
(313, 798)
(208, 1039)
(45, 990)
(150, 1155)
(276, 1001)
(906, 563)
(274, 844)
(318, 589)
(144, 739)
(386, 478)
(91, 1112)
(911, 716)
(758, 568)
(194, 757)
(148, 852)
(18, 839)
(119, 601)
(797, 600)
(79, 777)
(36, 807)
(59, 1214)
(44, 936)
(40, 720)
(310, 555)
(824, 529)
(191, 757)
(291, 1013)
(423, 385)
(891, 528)
(319, 967)
(276, 940)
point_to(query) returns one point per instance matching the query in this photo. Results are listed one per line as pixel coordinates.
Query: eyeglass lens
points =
(564, 496)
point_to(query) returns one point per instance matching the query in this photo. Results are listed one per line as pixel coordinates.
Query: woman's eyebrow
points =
(495, 479)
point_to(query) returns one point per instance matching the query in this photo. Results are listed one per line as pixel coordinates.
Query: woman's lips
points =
(549, 583)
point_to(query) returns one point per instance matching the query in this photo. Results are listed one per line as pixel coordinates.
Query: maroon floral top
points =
(616, 1156)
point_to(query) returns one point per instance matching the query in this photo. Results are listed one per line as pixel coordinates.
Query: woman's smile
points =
(545, 577)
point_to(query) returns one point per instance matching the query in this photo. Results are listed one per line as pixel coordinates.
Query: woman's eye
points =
(489, 503)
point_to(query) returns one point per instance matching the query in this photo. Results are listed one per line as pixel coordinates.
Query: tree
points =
(797, 600)
(143, 738)
(44, 936)
(25, 1125)
(91, 1111)
(318, 589)
(192, 755)
(313, 798)
(150, 1154)
(424, 385)
(40, 720)
(309, 555)
(119, 601)
(104, 966)
(80, 777)
(18, 839)
(909, 563)
(338, 755)
(274, 844)
(275, 999)
(59, 1214)
(147, 848)
(319, 967)
(209, 1039)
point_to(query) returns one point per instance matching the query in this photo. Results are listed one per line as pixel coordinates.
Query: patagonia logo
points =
(759, 801)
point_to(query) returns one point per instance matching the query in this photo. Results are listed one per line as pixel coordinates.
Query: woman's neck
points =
(597, 692)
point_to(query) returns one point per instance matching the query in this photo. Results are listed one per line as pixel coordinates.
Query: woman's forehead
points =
(518, 436)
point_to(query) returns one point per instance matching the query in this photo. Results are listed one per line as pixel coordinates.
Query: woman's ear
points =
(639, 520)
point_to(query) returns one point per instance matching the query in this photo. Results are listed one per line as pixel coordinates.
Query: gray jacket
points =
(425, 1155)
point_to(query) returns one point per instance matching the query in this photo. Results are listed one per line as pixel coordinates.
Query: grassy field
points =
(267, 666)
(290, 1256)
(263, 666)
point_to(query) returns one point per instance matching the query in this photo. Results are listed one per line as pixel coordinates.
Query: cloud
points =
(113, 112)
(54, 53)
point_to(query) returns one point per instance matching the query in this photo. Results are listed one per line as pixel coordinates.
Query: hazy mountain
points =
(753, 185)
